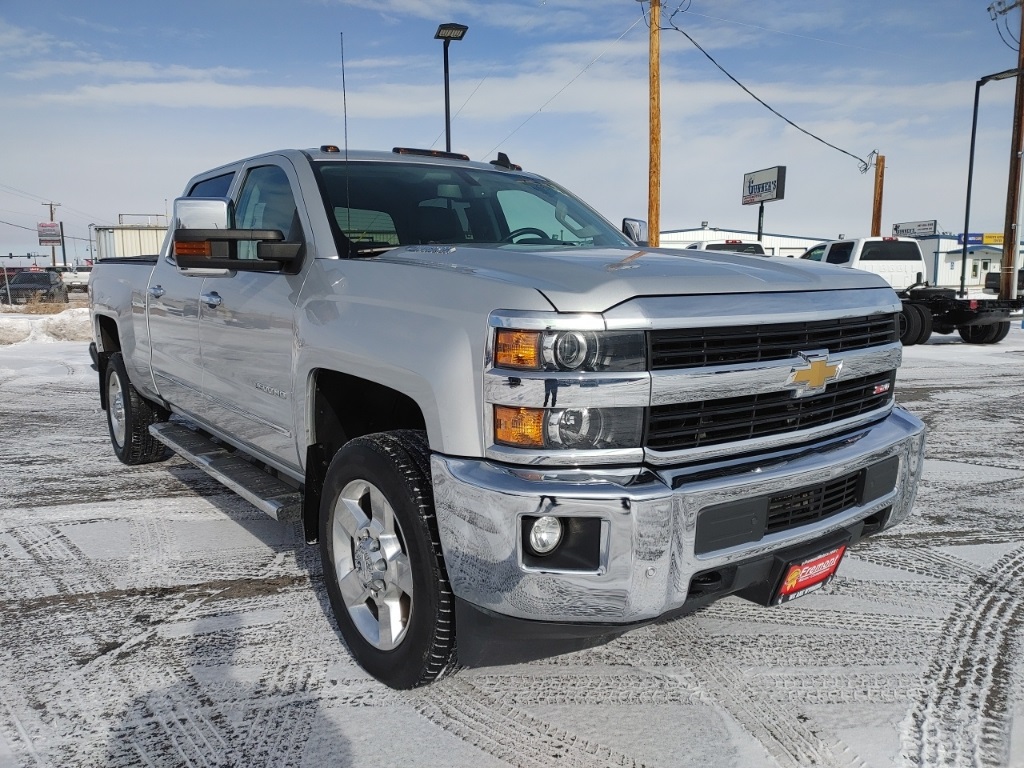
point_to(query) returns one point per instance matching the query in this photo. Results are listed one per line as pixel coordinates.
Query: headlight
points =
(568, 428)
(570, 350)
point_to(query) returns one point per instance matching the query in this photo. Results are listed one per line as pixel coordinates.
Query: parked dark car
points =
(44, 287)
(992, 281)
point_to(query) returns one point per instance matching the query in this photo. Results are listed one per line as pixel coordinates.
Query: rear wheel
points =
(1000, 334)
(129, 415)
(910, 325)
(382, 559)
(978, 334)
(925, 317)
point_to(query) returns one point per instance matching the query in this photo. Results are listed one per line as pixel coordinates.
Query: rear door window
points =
(890, 250)
(839, 253)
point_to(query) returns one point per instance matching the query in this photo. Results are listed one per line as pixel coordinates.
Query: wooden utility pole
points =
(876, 206)
(654, 167)
(1011, 238)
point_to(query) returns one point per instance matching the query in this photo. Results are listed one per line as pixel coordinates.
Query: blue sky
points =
(109, 108)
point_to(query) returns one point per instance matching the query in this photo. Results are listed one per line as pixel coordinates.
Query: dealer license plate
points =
(803, 576)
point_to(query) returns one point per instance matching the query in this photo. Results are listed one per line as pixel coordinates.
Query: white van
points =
(897, 259)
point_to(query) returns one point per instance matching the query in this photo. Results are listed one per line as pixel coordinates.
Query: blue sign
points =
(973, 238)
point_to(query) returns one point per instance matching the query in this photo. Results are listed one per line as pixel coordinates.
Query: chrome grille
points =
(702, 423)
(698, 347)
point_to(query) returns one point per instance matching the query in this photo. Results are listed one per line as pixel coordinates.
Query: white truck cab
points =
(733, 246)
(897, 259)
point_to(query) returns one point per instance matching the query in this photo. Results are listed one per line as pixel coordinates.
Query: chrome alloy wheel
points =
(372, 565)
(115, 409)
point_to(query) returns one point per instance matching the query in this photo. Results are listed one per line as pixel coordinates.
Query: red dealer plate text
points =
(808, 575)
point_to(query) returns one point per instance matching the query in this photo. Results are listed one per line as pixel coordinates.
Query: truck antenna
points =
(344, 112)
(344, 94)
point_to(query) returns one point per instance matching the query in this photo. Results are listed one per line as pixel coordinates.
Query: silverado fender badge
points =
(816, 374)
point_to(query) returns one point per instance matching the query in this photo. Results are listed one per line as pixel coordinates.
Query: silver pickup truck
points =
(503, 420)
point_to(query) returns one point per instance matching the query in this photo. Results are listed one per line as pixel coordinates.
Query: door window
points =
(839, 253)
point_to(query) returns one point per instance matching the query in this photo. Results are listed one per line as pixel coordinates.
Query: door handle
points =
(211, 299)
(156, 291)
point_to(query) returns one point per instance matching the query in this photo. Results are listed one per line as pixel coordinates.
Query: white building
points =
(774, 244)
(944, 257)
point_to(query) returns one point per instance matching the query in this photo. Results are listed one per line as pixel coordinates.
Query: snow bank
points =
(69, 325)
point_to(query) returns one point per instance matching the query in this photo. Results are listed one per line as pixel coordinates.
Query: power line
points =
(863, 164)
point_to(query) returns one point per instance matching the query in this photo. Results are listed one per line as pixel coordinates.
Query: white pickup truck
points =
(502, 420)
(76, 277)
(925, 308)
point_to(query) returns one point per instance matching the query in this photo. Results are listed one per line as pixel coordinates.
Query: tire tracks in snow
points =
(963, 716)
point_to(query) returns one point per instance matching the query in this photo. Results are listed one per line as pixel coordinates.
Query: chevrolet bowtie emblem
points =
(815, 375)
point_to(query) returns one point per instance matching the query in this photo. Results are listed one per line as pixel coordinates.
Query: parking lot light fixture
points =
(447, 33)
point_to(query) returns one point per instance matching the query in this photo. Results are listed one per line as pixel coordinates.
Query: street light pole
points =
(447, 33)
(970, 170)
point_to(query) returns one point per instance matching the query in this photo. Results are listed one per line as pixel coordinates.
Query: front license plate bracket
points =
(770, 591)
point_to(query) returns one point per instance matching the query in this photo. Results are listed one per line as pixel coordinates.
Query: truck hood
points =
(595, 280)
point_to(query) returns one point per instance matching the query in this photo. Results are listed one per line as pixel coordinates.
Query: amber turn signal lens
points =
(519, 427)
(198, 248)
(517, 349)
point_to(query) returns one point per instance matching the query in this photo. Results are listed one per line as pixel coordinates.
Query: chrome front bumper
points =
(648, 522)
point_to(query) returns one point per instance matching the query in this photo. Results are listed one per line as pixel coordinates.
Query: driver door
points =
(246, 325)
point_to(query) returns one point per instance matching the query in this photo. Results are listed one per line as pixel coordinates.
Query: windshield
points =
(377, 206)
(31, 278)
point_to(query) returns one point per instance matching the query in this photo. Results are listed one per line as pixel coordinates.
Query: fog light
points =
(545, 533)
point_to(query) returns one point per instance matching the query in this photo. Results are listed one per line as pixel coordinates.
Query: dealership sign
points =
(916, 228)
(981, 238)
(765, 185)
(49, 232)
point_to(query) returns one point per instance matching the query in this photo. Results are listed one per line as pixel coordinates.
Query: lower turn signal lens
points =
(521, 427)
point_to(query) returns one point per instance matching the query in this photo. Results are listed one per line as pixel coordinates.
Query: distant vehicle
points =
(992, 281)
(925, 308)
(733, 246)
(44, 287)
(77, 278)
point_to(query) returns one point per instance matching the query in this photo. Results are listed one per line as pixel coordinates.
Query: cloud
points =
(133, 70)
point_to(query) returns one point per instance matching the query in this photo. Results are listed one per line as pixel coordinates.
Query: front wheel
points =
(129, 415)
(382, 559)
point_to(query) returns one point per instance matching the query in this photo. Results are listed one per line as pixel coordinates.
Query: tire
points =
(1003, 329)
(382, 560)
(129, 415)
(925, 316)
(978, 334)
(910, 325)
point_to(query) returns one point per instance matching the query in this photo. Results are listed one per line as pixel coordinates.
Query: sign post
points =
(761, 187)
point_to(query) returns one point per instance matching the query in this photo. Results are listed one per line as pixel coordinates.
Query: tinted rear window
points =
(736, 247)
(890, 250)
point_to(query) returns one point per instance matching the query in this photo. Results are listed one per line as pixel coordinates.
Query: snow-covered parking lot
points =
(150, 617)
